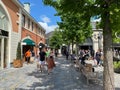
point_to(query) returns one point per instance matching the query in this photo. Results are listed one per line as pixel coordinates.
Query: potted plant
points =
(18, 62)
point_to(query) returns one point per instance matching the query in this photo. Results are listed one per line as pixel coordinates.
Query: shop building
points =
(96, 41)
(17, 25)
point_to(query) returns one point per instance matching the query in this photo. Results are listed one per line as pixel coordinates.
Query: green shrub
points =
(116, 65)
(18, 54)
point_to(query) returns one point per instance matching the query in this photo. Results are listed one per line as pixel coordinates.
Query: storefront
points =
(3, 48)
(88, 44)
(12, 31)
(26, 45)
(4, 38)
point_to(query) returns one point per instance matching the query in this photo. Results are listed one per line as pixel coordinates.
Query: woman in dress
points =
(50, 61)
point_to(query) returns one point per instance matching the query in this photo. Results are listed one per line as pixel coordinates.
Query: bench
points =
(88, 72)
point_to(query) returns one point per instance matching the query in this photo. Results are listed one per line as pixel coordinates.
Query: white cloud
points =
(48, 28)
(45, 19)
(44, 24)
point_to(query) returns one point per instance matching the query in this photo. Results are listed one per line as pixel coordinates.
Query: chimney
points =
(27, 6)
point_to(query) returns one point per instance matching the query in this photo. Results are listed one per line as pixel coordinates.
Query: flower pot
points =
(17, 63)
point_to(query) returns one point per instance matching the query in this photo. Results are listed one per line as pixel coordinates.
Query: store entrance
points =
(26, 48)
(3, 52)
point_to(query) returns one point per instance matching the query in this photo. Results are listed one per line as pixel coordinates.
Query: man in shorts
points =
(42, 55)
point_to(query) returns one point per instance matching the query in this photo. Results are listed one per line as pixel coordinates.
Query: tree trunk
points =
(108, 74)
(77, 48)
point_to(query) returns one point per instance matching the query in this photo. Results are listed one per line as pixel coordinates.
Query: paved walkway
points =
(63, 77)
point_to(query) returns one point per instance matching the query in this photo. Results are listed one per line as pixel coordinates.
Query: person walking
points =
(50, 61)
(47, 53)
(67, 54)
(27, 56)
(42, 56)
(56, 52)
(98, 57)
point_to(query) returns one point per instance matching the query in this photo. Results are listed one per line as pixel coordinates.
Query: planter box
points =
(17, 63)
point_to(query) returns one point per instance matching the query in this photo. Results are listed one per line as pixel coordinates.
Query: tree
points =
(56, 39)
(105, 9)
(18, 54)
(18, 61)
(75, 30)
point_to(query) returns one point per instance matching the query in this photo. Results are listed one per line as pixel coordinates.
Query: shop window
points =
(32, 26)
(28, 23)
(23, 20)
(3, 21)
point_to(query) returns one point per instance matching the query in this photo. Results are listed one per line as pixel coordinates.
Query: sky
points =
(43, 14)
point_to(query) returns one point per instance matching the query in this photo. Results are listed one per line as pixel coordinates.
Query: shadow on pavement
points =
(65, 77)
(41, 84)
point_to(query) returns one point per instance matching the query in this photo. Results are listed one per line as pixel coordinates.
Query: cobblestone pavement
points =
(63, 77)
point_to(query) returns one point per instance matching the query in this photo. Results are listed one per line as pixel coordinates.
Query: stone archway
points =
(4, 37)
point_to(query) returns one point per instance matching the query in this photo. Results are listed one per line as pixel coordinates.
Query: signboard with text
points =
(3, 33)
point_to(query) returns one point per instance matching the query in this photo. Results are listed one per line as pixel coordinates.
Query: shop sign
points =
(3, 33)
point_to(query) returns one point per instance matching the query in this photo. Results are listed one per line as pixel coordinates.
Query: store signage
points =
(3, 33)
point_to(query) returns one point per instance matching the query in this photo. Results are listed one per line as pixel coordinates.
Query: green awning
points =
(29, 42)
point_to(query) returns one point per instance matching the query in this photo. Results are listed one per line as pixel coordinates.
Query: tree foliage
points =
(56, 39)
(75, 29)
(109, 11)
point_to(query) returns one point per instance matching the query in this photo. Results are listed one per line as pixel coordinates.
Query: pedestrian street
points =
(63, 77)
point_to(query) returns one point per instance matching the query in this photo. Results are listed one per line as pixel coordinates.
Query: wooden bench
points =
(87, 71)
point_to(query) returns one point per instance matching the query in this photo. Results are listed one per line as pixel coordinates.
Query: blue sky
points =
(43, 14)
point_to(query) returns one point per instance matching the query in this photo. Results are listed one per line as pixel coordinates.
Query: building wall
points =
(17, 32)
(31, 30)
(10, 42)
(36, 38)
(14, 42)
(35, 32)
(13, 10)
(14, 36)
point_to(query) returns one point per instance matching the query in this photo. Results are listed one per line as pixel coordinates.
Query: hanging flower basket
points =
(17, 63)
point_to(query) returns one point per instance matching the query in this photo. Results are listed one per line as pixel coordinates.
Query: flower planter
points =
(17, 63)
